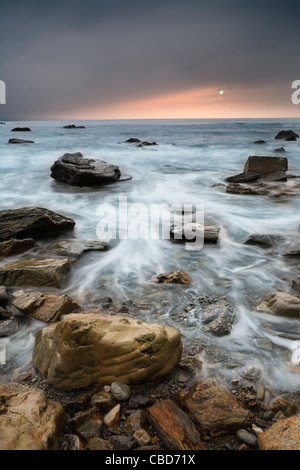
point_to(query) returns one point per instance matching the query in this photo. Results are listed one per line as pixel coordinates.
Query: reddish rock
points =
(175, 277)
(283, 435)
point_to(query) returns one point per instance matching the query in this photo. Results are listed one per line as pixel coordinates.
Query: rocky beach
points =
(140, 342)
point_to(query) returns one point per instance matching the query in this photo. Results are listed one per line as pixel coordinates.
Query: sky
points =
(136, 59)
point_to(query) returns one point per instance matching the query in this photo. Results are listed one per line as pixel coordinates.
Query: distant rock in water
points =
(248, 177)
(32, 222)
(74, 169)
(72, 126)
(147, 144)
(291, 139)
(260, 142)
(20, 141)
(132, 140)
(284, 135)
(21, 129)
(280, 150)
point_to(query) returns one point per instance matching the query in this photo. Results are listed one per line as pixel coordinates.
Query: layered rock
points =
(28, 421)
(184, 232)
(16, 247)
(282, 435)
(32, 222)
(279, 303)
(38, 272)
(248, 177)
(86, 349)
(76, 170)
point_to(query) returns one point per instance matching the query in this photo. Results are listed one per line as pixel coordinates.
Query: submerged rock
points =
(260, 142)
(175, 277)
(262, 240)
(76, 170)
(28, 421)
(74, 248)
(16, 247)
(121, 349)
(286, 135)
(283, 435)
(266, 165)
(47, 308)
(291, 139)
(282, 304)
(39, 272)
(4, 298)
(32, 222)
(20, 141)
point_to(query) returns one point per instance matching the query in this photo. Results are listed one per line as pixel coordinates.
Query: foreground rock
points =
(32, 222)
(284, 135)
(174, 427)
(38, 272)
(86, 349)
(266, 165)
(78, 171)
(74, 248)
(20, 141)
(282, 304)
(283, 435)
(175, 277)
(21, 129)
(184, 232)
(215, 410)
(47, 308)
(28, 421)
(14, 247)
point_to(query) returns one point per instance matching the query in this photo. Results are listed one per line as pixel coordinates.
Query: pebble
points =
(120, 391)
(112, 418)
(260, 394)
(142, 437)
(267, 415)
(280, 415)
(256, 429)
(247, 438)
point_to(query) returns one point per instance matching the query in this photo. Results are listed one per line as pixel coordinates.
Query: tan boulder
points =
(45, 307)
(88, 348)
(279, 303)
(283, 435)
(28, 421)
(266, 165)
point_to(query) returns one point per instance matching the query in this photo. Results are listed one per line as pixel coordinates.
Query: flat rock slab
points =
(28, 421)
(47, 308)
(266, 165)
(32, 222)
(174, 427)
(74, 248)
(279, 303)
(248, 177)
(76, 170)
(283, 435)
(87, 349)
(39, 272)
(20, 141)
(215, 410)
(14, 246)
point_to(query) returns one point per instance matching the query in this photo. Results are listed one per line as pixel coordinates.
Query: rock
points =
(136, 420)
(132, 140)
(122, 442)
(28, 421)
(15, 247)
(248, 177)
(72, 442)
(211, 232)
(293, 251)
(278, 416)
(21, 129)
(175, 277)
(279, 303)
(96, 443)
(78, 171)
(204, 398)
(146, 144)
(47, 308)
(262, 240)
(140, 401)
(218, 318)
(174, 427)
(267, 415)
(120, 391)
(276, 176)
(112, 418)
(266, 165)
(286, 134)
(20, 141)
(87, 424)
(4, 299)
(279, 150)
(39, 272)
(123, 349)
(289, 409)
(251, 373)
(142, 437)
(74, 248)
(239, 189)
(291, 139)
(72, 126)
(8, 327)
(188, 368)
(32, 222)
(104, 401)
(260, 142)
(247, 438)
(283, 435)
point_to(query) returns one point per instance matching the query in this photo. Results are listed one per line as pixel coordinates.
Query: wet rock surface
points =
(175, 277)
(279, 303)
(14, 247)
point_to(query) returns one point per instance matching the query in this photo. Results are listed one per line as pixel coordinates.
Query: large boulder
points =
(283, 435)
(266, 165)
(92, 348)
(39, 272)
(31, 222)
(279, 303)
(28, 421)
(73, 169)
(48, 308)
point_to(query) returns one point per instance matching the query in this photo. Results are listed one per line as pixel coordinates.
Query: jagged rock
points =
(87, 423)
(31, 222)
(248, 177)
(15, 247)
(239, 189)
(123, 349)
(21, 129)
(136, 420)
(175, 277)
(20, 141)
(74, 248)
(266, 165)
(28, 421)
(47, 308)
(140, 401)
(39, 272)
(111, 420)
(76, 170)
(283, 435)
(286, 134)
(279, 150)
(104, 401)
(180, 232)
(122, 442)
(72, 126)
(279, 303)
(72, 442)
(174, 427)
(291, 139)
(8, 327)
(204, 398)
(142, 437)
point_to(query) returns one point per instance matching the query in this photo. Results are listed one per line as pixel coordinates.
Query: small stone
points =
(104, 401)
(106, 388)
(87, 423)
(243, 447)
(140, 401)
(120, 391)
(247, 438)
(72, 442)
(256, 429)
(289, 409)
(267, 415)
(96, 443)
(136, 420)
(112, 418)
(142, 437)
(122, 442)
(280, 415)
(260, 394)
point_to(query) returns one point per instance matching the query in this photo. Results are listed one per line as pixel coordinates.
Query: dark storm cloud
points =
(58, 56)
